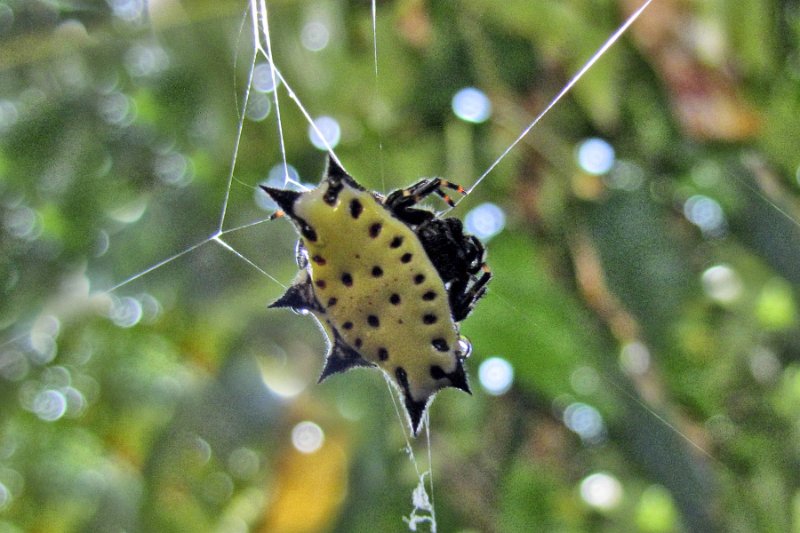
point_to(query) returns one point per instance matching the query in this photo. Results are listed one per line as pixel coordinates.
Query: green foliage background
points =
(117, 133)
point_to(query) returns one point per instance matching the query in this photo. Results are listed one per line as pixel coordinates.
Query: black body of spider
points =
(458, 258)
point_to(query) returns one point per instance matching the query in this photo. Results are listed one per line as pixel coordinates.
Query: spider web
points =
(225, 231)
(262, 49)
(422, 496)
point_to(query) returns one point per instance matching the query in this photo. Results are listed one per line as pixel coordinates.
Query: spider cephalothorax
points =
(387, 281)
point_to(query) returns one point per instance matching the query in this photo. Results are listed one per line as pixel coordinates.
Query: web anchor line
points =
(161, 263)
(374, 14)
(419, 496)
(237, 142)
(566, 89)
(218, 239)
(261, 20)
(261, 27)
(215, 237)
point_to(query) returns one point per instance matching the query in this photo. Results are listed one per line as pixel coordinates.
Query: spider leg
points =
(401, 201)
(454, 186)
(464, 295)
(410, 196)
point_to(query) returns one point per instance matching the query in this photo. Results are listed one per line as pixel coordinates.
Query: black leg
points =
(405, 198)
(464, 299)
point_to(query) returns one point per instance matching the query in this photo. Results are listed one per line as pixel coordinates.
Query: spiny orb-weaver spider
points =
(387, 281)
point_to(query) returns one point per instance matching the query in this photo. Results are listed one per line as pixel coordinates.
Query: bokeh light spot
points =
(116, 108)
(50, 405)
(263, 79)
(76, 402)
(56, 377)
(722, 283)
(280, 176)
(707, 173)
(5, 496)
(595, 156)
(23, 223)
(325, 133)
(243, 463)
(128, 10)
(6, 18)
(586, 421)
(144, 60)
(496, 375)
(706, 214)
(280, 380)
(218, 487)
(258, 107)
(200, 449)
(775, 307)
(634, 358)
(584, 380)
(125, 312)
(173, 169)
(43, 337)
(151, 308)
(485, 221)
(129, 212)
(315, 36)
(14, 366)
(656, 510)
(764, 364)
(307, 437)
(9, 114)
(472, 105)
(601, 490)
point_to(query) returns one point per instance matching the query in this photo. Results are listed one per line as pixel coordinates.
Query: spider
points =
(387, 281)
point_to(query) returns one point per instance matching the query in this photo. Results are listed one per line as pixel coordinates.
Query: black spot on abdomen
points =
(356, 208)
(309, 233)
(440, 344)
(437, 372)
